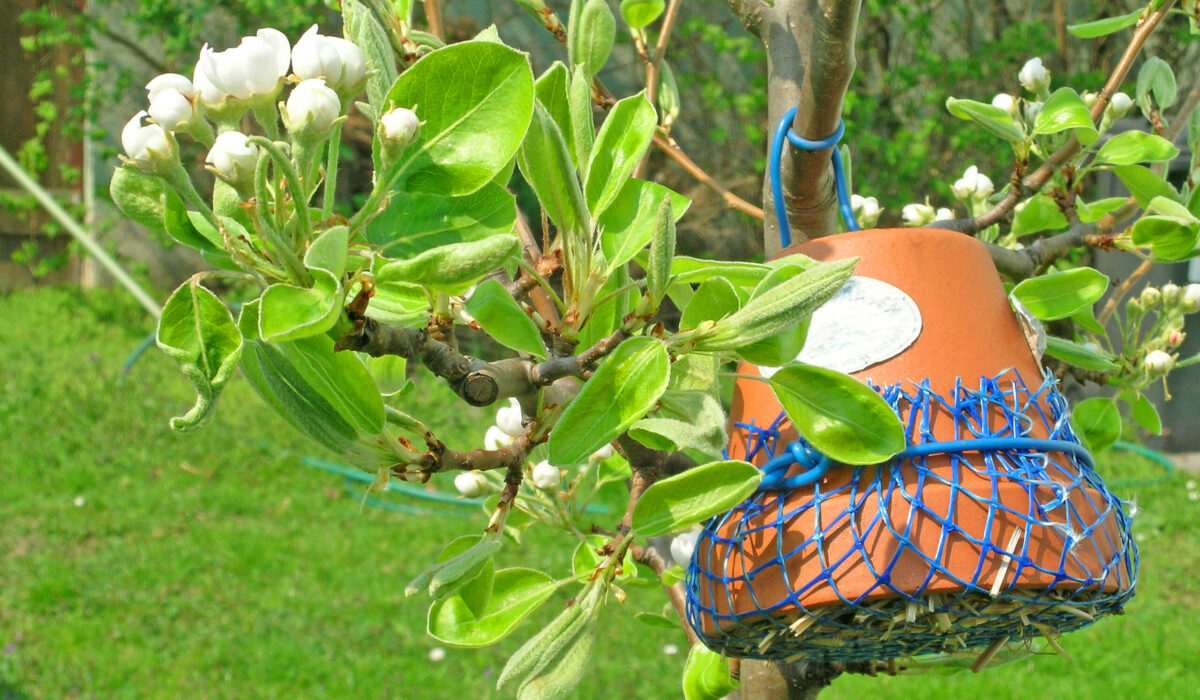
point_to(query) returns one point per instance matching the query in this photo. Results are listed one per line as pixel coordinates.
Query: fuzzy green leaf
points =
(695, 495)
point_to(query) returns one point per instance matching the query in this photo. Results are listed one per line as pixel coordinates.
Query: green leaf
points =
(454, 267)
(400, 304)
(413, 222)
(781, 307)
(714, 300)
(178, 223)
(475, 99)
(695, 495)
(289, 312)
(328, 396)
(390, 373)
(639, 13)
(696, 371)
(361, 27)
(1144, 184)
(551, 663)
(706, 675)
(498, 314)
(583, 127)
(608, 315)
(620, 145)
(662, 250)
(1104, 27)
(688, 270)
(585, 559)
(784, 346)
(1079, 355)
(838, 415)
(196, 331)
(140, 197)
(457, 568)
(1099, 421)
(515, 594)
(1066, 110)
(328, 251)
(546, 165)
(627, 225)
(1061, 294)
(1156, 80)
(1038, 213)
(623, 389)
(1167, 236)
(1091, 212)
(687, 420)
(552, 89)
(1146, 414)
(591, 31)
(1130, 147)
(656, 620)
(993, 119)
(1087, 321)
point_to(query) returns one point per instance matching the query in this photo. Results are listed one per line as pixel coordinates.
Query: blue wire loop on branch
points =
(783, 132)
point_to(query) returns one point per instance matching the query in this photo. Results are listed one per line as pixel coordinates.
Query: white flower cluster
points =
(973, 186)
(225, 84)
(866, 210)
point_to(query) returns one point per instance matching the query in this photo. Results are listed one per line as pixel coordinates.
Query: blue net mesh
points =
(1004, 533)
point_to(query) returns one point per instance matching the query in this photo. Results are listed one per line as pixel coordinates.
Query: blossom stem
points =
(292, 178)
(331, 172)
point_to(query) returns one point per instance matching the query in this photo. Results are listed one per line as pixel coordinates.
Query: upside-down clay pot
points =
(967, 331)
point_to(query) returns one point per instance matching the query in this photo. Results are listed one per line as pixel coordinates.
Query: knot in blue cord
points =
(797, 452)
(783, 132)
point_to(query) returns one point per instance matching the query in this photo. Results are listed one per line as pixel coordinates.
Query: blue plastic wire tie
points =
(783, 132)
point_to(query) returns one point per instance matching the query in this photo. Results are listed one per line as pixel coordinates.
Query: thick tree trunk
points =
(810, 60)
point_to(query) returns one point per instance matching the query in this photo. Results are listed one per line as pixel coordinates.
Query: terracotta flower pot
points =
(935, 552)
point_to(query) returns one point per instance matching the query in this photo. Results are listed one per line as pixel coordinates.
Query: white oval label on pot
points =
(866, 322)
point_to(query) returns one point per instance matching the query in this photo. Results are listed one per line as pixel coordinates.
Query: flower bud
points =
(683, 546)
(253, 68)
(495, 438)
(604, 452)
(1032, 110)
(312, 107)
(546, 476)
(1171, 294)
(1150, 297)
(973, 186)
(1119, 105)
(509, 419)
(917, 214)
(1089, 98)
(1158, 363)
(1034, 76)
(399, 126)
(866, 210)
(470, 484)
(172, 110)
(1190, 301)
(233, 158)
(1176, 337)
(335, 60)
(148, 145)
(943, 214)
(1006, 102)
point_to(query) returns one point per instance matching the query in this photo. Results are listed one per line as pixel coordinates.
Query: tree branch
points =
(750, 14)
(668, 146)
(1022, 187)
(651, 557)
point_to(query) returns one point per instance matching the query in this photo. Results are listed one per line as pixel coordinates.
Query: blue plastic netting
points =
(1003, 533)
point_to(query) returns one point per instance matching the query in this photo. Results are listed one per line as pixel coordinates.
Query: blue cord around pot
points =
(783, 132)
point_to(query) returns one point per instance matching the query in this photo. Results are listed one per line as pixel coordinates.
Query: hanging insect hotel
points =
(990, 528)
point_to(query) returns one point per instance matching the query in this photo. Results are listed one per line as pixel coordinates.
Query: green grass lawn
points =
(136, 562)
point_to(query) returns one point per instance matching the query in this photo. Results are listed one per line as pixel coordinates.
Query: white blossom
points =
(973, 186)
(399, 126)
(1032, 110)
(172, 110)
(866, 210)
(1119, 105)
(147, 145)
(170, 81)
(1006, 102)
(233, 157)
(1034, 76)
(683, 546)
(943, 214)
(253, 68)
(546, 476)
(1190, 301)
(917, 214)
(495, 438)
(1158, 362)
(1150, 297)
(437, 654)
(1171, 294)
(509, 419)
(470, 484)
(337, 61)
(604, 452)
(312, 106)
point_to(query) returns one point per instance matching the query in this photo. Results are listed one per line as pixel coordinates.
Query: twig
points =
(433, 15)
(1038, 179)
(668, 146)
(676, 593)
